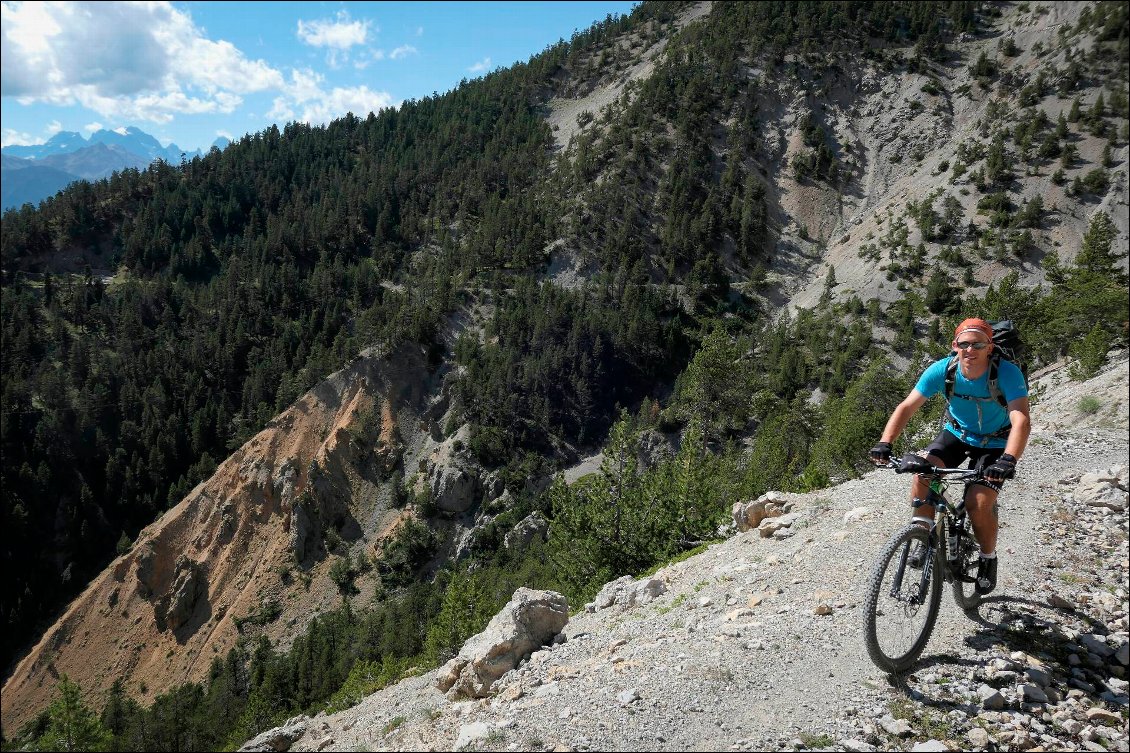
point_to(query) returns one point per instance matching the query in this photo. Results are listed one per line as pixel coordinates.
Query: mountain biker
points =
(992, 436)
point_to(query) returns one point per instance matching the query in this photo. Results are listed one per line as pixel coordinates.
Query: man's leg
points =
(981, 502)
(920, 491)
(923, 513)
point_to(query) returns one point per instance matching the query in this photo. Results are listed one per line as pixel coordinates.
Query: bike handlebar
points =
(912, 463)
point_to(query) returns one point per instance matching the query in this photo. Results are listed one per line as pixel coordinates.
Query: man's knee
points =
(982, 503)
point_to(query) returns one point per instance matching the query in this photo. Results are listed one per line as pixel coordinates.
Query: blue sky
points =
(189, 72)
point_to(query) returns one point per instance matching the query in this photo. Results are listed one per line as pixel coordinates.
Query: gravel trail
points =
(756, 643)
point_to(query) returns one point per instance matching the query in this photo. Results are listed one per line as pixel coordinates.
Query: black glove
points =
(1003, 468)
(881, 453)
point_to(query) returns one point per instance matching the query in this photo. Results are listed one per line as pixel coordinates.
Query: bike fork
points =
(927, 570)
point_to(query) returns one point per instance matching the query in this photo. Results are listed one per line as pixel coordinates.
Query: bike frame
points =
(948, 515)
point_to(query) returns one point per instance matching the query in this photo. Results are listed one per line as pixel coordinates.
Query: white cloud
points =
(339, 35)
(12, 137)
(130, 62)
(359, 100)
(305, 100)
(124, 61)
(53, 127)
(90, 128)
(480, 67)
(281, 110)
(403, 51)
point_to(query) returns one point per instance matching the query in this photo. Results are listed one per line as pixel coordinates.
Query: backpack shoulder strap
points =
(951, 376)
(994, 379)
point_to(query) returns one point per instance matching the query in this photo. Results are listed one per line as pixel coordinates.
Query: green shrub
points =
(1089, 405)
(1090, 354)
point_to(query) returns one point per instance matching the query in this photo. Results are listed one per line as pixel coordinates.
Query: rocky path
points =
(756, 644)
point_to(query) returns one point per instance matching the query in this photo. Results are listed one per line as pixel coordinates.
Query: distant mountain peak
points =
(66, 137)
(68, 156)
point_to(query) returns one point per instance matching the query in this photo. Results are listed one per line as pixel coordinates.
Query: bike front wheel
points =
(902, 602)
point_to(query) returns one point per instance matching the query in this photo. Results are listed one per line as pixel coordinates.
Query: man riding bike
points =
(978, 427)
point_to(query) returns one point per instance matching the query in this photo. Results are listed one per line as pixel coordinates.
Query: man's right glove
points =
(1004, 468)
(881, 453)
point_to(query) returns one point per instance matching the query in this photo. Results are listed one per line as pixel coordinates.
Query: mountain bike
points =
(902, 602)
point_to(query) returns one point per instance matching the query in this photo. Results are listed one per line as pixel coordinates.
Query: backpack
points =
(1008, 346)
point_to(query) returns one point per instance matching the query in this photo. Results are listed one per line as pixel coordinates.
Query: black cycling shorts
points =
(953, 452)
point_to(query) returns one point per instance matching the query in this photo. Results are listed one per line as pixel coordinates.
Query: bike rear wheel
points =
(902, 603)
(965, 580)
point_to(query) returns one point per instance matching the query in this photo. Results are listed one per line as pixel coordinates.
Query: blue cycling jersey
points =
(974, 414)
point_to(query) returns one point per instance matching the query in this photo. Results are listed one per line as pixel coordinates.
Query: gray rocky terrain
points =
(756, 643)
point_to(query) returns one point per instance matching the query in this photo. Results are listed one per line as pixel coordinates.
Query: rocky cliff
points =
(247, 550)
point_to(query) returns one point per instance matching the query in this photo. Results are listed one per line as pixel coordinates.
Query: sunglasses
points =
(976, 345)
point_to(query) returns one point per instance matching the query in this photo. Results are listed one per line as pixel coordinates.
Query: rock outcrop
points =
(750, 514)
(531, 620)
(626, 592)
(189, 587)
(533, 526)
(1104, 489)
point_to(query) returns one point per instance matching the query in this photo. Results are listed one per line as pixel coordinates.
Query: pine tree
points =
(462, 614)
(714, 389)
(72, 725)
(1089, 354)
(1074, 114)
(1097, 254)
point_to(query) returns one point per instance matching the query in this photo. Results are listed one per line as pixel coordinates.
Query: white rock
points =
(628, 696)
(896, 727)
(930, 745)
(470, 733)
(978, 737)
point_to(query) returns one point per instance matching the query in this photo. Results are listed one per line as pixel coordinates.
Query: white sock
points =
(989, 556)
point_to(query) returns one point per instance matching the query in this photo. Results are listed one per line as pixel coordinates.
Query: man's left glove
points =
(1003, 468)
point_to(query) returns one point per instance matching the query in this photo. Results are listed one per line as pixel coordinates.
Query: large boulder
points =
(627, 593)
(190, 583)
(277, 739)
(529, 621)
(1103, 489)
(748, 514)
(528, 528)
(454, 489)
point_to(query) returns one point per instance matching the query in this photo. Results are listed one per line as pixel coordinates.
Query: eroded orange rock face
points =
(158, 616)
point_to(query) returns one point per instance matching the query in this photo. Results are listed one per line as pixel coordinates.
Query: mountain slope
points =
(96, 161)
(27, 182)
(736, 655)
(900, 134)
(248, 542)
(717, 167)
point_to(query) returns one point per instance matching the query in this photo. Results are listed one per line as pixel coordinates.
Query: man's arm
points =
(1021, 427)
(902, 415)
